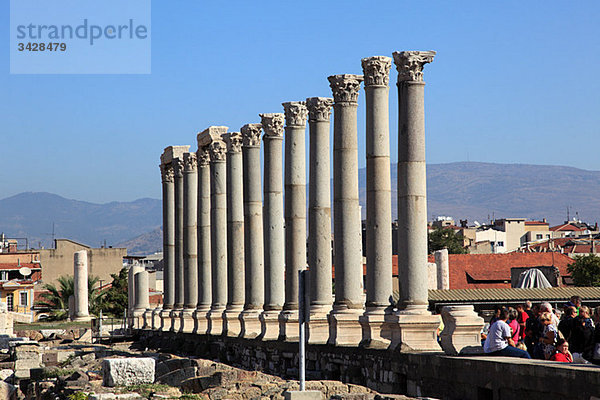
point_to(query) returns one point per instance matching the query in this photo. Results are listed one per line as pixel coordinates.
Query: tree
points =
(55, 300)
(585, 270)
(114, 300)
(445, 238)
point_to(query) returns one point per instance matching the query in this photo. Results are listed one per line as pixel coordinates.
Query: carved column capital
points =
(190, 162)
(178, 167)
(272, 124)
(203, 156)
(376, 70)
(218, 150)
(345, 87)
(295, 113)
(167, 173)
(410, 64)
(251, 135)
(234, 142)
(319, 108)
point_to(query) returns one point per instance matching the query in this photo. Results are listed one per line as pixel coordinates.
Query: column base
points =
(165, 319)
(376, 332)
(186, 321)
(462, 330)
(231, 322)
(269, 325)
(289, 330)
(251, 325)
(200, 321)
(215, 321)
(156, 318)
(137, 319)
(344, 327)
(318, 328)
(414, 329)
(147, 319)
(83, 318)
(175, 320)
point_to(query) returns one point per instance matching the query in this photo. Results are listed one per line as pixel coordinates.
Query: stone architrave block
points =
(304, 395)
(462, 330)
(127, 371)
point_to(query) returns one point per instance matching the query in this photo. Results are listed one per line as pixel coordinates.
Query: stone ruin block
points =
(127, 371)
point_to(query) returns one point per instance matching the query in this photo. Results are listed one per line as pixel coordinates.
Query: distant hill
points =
(472, 190)
(32, 214)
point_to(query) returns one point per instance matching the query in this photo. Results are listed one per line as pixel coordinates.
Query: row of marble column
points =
(231, 256)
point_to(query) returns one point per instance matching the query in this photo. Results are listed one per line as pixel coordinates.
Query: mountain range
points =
(463, 190)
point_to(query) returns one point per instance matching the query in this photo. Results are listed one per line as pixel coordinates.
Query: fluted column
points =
(273, 225)
(379, 205)
(319, 218)
(190, 240)
(295, 214)
(253, 232)
(345, 328)
(235, 235)
(416, 326)
(170, 154)
(204, 249)
(213, 137)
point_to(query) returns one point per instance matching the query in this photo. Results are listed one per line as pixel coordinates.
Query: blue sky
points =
(513, 82)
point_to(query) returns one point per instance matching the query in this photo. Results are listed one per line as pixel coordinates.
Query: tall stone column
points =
(253, 232)
(213, 138)
(134, 269)
(273, 225)
(204, 249)
(190, 242)
(179, 258)
(345, 329)
(319, 219)
(235, 236)
(80, 274)
(295, 214)
(416, 326)
(379, 204)
(169, 155)
(142, 297)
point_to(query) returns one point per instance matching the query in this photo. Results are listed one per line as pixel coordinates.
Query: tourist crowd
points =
(541, 332)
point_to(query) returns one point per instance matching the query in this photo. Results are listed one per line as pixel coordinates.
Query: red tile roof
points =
(566, 227)
(496, 267)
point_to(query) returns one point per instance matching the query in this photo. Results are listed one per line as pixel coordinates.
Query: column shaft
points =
(142, 298)
(190, 231)
(168, 199)
(179, 258)
(80, 273)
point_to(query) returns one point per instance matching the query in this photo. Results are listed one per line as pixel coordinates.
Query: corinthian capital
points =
(203, 156)
(178, 167)
(376, 70)
(218, 150)
(319, 108)
(167, 173)
(272, 124)
(190, 162)
(251, 135)
(345, 87)
(295, 113)
(234, 142)
(410, 64)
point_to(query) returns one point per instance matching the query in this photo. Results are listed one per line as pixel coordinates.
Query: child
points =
(562, 352)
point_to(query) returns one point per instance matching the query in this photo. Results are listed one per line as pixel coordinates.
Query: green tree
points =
(55, 300)
(447, 238)
(114, 299)
(585, 270)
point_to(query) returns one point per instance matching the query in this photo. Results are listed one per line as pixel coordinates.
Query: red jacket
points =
(561, 357)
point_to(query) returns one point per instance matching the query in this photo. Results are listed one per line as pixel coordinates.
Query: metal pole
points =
(301, 322)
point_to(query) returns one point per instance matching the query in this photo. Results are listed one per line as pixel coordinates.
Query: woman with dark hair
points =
(562, 352)
(582, 336)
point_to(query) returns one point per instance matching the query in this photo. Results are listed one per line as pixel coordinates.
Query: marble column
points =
(235, 236)
(295, 214)
(273, 225)
(345, 329)
(204, 249)
(416, 326)
(442, 269)
(142, 297)
(169, 155)
(179, 258)
(253, 232)
(80, 283)
(213, 137)
(134, 269)
(319, 219)
(190, 242)
(379, 204)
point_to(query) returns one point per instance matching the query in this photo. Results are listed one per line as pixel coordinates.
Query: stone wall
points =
(412, 374)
